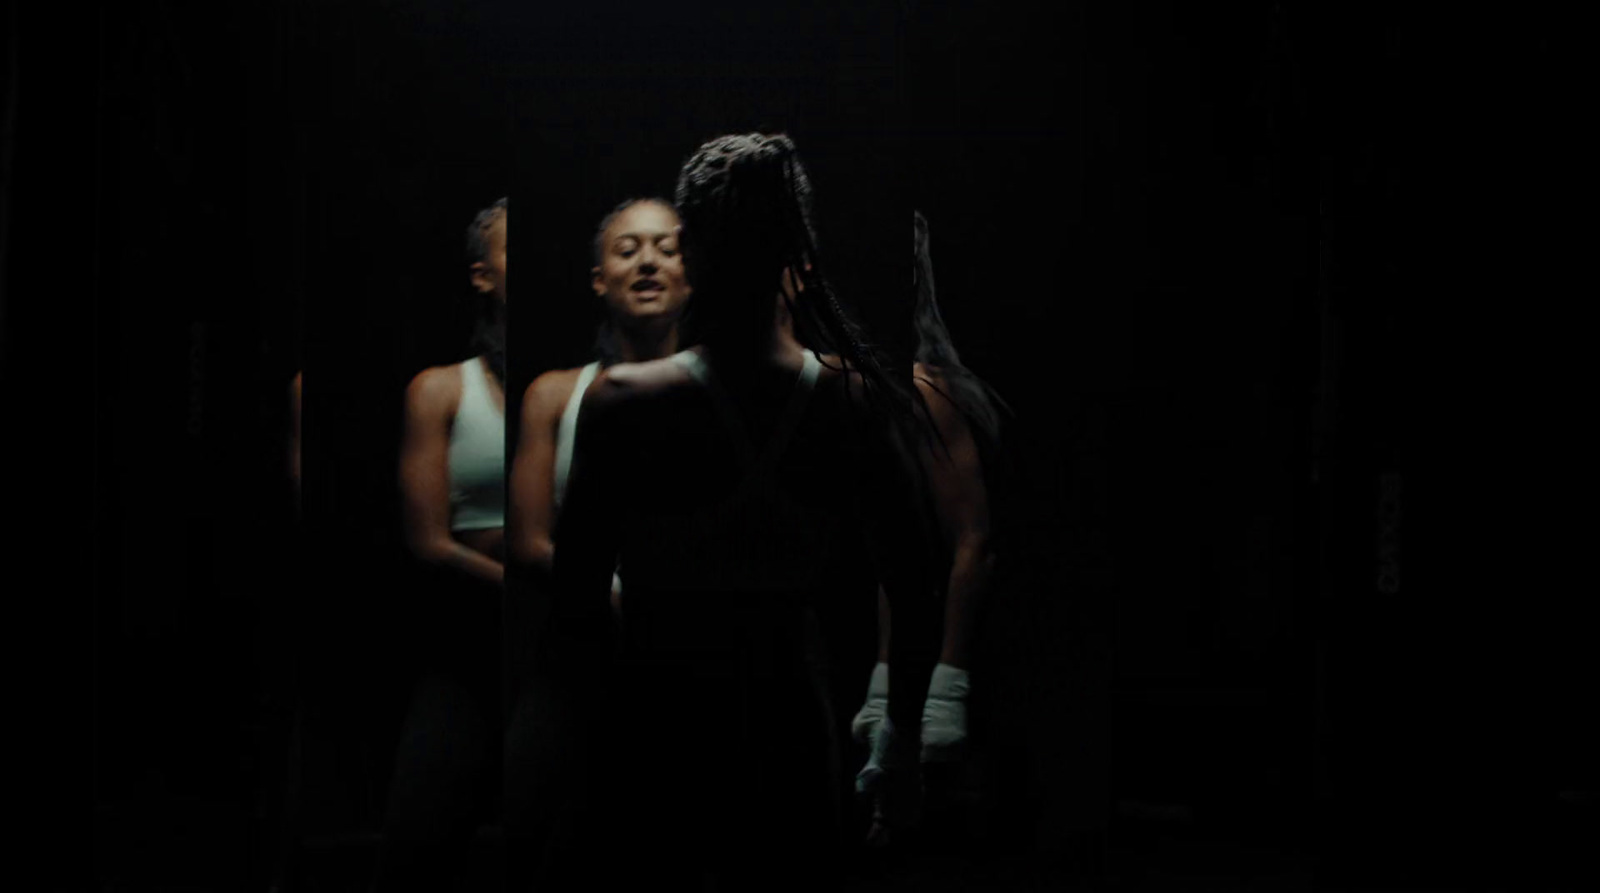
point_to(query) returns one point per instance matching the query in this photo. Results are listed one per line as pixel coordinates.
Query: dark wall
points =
(1122, 203)
(1284, 468)
(149, 351)
(1448, 658)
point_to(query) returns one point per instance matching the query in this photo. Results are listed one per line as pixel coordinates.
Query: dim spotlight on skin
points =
(451, 520)
(452, 485)
(964, 412)
(639, 278)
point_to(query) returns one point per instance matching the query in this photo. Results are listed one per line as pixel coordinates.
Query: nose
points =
(647, 260)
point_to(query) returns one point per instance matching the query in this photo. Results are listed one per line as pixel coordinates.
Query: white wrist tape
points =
(944, 715)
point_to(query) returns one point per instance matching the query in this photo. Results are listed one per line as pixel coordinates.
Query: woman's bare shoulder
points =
(436, 389)
(923, 375)
(547, 394)
(835, 369)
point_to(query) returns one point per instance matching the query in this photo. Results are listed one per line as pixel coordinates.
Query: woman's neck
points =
(496, 315)
(781, 345)
(644, 344)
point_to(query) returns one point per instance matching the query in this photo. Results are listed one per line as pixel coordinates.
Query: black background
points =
(1231, 267)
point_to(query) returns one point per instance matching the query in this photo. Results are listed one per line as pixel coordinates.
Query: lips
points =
(648, 285)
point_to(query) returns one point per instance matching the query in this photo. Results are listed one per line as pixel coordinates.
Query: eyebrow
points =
(659, 235)
(640, 237)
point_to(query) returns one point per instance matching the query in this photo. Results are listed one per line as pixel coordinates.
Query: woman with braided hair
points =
(746, 486)
(966, 413)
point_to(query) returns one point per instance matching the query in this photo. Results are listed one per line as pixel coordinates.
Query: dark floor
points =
(195, 847)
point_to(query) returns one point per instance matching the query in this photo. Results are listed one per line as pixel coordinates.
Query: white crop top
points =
(477, 455)
(567, 432)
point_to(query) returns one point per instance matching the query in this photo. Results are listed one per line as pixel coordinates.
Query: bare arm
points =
(954, 471)
(586, 538)
(532, 509)
(431, 402)
(901, 542)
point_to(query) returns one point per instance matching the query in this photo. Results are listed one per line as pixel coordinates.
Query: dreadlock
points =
(746, 205)
(489, 332)
(979, 402)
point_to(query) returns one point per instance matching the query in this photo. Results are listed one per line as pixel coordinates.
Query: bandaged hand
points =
(869, 727)
(944, 715)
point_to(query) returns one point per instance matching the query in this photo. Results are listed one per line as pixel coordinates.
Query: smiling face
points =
(641, 276)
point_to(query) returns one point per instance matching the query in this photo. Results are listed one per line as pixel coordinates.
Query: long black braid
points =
(489, 332)
(746, 205)
(979, 404)
(973, 396)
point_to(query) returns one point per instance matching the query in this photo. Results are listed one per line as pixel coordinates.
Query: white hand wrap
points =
(865, 724)
(870, 727)
(944, 715)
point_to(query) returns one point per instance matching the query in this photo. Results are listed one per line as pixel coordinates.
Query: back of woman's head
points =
(746, 203)
(933, 339)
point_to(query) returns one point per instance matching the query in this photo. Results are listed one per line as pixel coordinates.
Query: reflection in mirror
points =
(639, 277)
(452, 485)
(959, 463)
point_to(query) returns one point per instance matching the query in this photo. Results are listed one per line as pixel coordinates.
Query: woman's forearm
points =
(533, 550)
(970, 572)
(469, 562)
(969, 580)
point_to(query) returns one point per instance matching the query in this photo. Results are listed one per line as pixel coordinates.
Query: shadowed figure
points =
(452, 483)
(754, 493)
(966, 414)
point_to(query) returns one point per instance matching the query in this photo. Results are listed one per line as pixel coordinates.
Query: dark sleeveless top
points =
(719, 641)
(741, 557)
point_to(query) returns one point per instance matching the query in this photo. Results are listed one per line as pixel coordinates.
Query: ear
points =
(480, 277)
(598, 283)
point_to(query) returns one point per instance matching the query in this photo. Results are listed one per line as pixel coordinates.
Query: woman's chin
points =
(653, 313)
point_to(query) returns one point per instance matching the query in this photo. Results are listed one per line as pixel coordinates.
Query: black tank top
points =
(724, 586)
(747, 561)
(723, 697)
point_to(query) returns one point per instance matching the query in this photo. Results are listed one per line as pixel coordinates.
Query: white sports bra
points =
(567, 432)
(477, 455)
